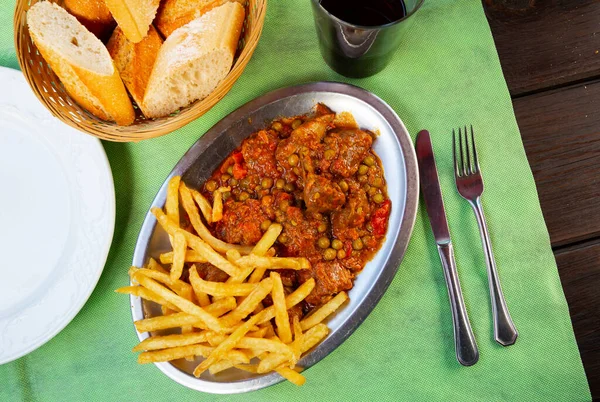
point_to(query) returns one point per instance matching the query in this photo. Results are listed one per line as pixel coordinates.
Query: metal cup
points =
(359, 51)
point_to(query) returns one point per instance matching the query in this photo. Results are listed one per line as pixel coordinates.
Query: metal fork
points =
(470, 186)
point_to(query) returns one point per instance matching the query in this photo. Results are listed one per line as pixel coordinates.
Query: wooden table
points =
(550, 55)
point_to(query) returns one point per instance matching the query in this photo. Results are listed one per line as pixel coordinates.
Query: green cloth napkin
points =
(445, 74)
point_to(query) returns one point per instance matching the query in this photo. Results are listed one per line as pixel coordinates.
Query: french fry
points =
(291, 375)
(225, 346)
(190, 256)
(273, 360)
(270, 330)
(197, 244)
(179, 287)
(203, 204)
(290, 301)
(247, 342)
(258, 334)
(172, 201)
(324, 311)
(246, 307)
(298, 340)
(250, 368)
(217, 212)
(233, 357)
(233, 255)
(183, 304)
(145, 294)
(203, 232)
(314, 336)
(179, 352)
(201, 296)
(179, 247)
(282, 319)
(267, 239)
(220, 289)
(152, 264)
(252, 260)
(257, 275)
(170, 341)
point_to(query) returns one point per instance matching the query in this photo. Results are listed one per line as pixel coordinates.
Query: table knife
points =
(466, 348)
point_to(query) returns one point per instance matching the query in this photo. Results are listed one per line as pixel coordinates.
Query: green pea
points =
(211, 185)
(284, 205)
(329, 154)
(323, 242)
(265, 225)
(280, 218)
(322, 227)
(363, 169)
(337, 244)
(267, 182)
(296, 123)
(280, 183)
(277, 126)
(369, 161)
(293, 160)
(225, 177)
(289, 187)
(341, 254)
(230, 170)
(283, 238)
(377, 182)
(343, 185)
(329, 254)
(226, 195)
(363, 178)
(233, 181)
(378, 198)
(357, 244)
(372, 191)
(245, 183)
(243, 196)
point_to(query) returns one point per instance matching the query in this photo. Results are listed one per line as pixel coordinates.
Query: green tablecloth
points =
(444, 75)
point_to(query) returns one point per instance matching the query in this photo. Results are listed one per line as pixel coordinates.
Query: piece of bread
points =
(93, 14)
(173, 14)
(133, 16)
(135, 61)
(193, 60)
(81, 62)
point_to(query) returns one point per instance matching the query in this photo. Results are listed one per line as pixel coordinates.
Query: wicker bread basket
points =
(51, 93)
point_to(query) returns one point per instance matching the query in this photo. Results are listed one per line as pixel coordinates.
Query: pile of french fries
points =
(226, 323)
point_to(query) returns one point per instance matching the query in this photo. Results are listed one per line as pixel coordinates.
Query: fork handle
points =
(467, 353)
(505, 332)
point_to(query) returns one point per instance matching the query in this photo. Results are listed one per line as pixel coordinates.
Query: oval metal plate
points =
(396, 151)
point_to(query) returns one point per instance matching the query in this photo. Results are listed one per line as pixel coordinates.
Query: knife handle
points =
(466, 347)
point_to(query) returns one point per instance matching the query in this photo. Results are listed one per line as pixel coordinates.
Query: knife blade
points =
(467, 352)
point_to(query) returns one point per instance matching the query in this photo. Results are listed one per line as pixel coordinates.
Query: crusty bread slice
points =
(81, 62)
(135, 61)
(93, 14)
(133, 16)
(193, 60)
(173, 14)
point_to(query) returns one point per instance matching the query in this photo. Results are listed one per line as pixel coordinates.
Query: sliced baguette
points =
(135, 61)
(193, 60)
(81, 62)
(133, 16)
(93, 14)
(173, 14)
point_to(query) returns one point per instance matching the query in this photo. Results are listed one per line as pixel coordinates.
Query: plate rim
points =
(39, 112)
(381, 283)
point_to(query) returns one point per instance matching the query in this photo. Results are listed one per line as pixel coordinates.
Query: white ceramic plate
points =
(57, 217)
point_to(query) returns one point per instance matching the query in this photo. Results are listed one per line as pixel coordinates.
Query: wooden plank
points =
(579, 269)
(545, 43)
(561, 135)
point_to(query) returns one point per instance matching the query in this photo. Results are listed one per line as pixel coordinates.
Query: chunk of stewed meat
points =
(208, 272)
(351, 147)
(330, 278)
(241, 222)
(259, 154)
(352, 215)
(322, 195)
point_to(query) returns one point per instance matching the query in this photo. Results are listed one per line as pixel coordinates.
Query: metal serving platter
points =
(396, 151)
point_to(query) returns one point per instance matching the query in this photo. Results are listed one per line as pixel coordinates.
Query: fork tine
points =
(456, 167)
(461, 150)
(469, 169)
(475, 160)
